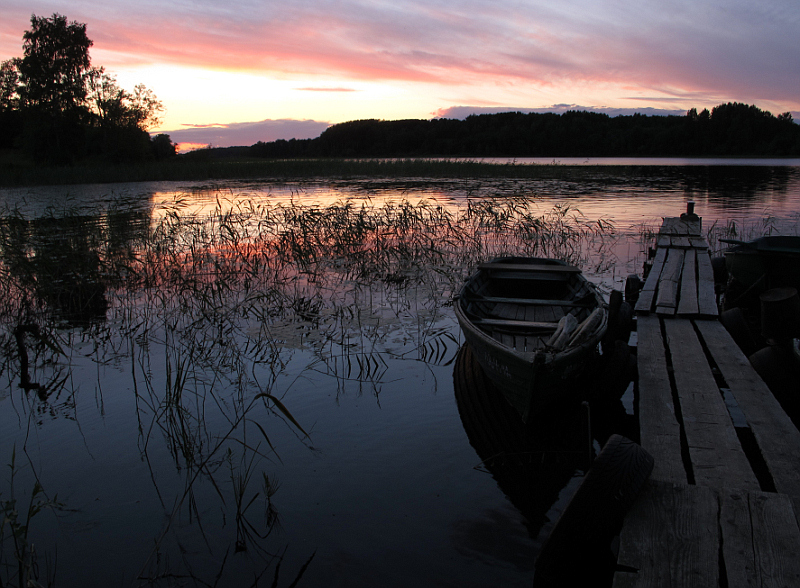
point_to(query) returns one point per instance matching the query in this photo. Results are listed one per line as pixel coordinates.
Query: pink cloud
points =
(741, 49)
(247, 133)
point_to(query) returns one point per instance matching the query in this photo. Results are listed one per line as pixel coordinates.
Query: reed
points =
(194, 167)
(19, 561)
(227, 288)
(739, 231)
(209, 310)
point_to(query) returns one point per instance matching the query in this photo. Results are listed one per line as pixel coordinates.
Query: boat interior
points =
(522, 306)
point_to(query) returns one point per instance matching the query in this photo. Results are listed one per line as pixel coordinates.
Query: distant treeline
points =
(731, 129)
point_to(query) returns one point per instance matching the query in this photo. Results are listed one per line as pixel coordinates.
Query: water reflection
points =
(739, 183)
(630, 192)
(185, 348)
(531, 465)
(188, 331)
(56, 261)
(534, 463)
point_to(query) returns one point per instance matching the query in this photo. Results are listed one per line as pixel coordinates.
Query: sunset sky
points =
(233, 73)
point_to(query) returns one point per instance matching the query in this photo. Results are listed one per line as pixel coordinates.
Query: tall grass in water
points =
(19, 562)
(746, 231)
(208, 311)
(195, 167)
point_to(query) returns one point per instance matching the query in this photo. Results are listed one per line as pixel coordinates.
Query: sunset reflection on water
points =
(630, 200)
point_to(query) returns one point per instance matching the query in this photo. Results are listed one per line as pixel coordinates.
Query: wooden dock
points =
(722, 506)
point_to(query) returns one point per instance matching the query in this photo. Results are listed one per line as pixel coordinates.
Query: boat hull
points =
(774, 261)
(514, 353)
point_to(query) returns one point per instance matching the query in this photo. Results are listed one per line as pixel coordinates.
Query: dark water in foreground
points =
(172, 317)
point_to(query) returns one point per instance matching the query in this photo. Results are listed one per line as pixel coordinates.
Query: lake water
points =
(244, 379)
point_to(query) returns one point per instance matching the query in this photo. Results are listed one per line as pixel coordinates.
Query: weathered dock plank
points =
(668, 284)
(681, 279)
(759, 539)
(736, 526)
(717, 456)
(707, 298)
(671, 538)
(688, 304)
(777, 437)
(680, 241)
(674, 225)
(699, 243)
(658, 426)
(675, 533)
(776, 537)
(703, 518)
(649, 290)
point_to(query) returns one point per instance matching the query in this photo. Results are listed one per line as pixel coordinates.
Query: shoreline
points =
(200, 166)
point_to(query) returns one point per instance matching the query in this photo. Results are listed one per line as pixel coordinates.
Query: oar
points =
(737, 242)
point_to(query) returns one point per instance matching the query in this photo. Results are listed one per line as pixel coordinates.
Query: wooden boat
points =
(534, 325)
(773, 260)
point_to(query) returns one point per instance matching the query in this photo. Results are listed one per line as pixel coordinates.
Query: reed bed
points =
(216, 317)
(238, 281)
(747, 231)
(195, 167)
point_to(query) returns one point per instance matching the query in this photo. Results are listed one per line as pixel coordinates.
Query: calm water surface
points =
(166, 336)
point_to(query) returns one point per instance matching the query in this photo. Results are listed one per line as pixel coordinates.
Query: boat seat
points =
(532, 301)
(511, 323)
(530, 267)
(533, 276)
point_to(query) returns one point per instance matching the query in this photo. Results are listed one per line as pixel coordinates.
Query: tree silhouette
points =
(53, 69)
(113, 106)
(9, 81)
(61, 109)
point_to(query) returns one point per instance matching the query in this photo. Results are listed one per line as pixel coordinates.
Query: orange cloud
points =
(326, 89)
(186, 147)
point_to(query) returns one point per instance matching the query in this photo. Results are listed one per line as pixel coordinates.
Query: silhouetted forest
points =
(731, 129)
